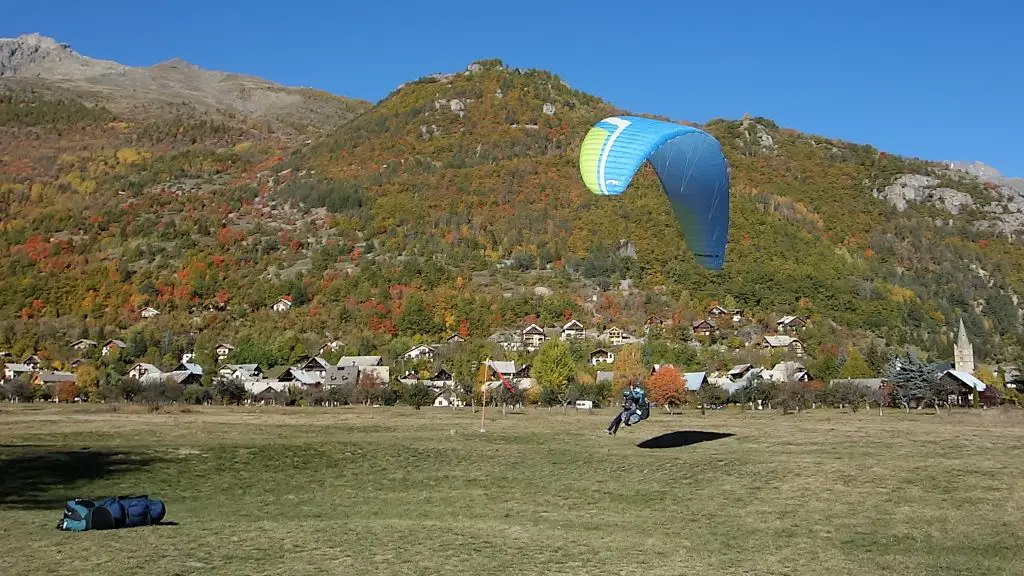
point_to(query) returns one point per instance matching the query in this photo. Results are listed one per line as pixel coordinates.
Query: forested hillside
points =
(453, 205)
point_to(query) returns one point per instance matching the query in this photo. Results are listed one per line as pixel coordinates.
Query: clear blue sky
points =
(937, 79)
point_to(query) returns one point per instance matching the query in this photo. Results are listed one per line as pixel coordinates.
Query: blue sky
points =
(931, 78)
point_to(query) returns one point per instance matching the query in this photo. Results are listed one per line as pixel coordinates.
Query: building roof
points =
(359, 361)
(147, 367)
(779, 341)
(968, 379)
(694, 380)
(502, 366)
(56, 377)
(15, 367)
(739, 369)
(178, 376)
(871, 383)
(341, 376)
(190, 367)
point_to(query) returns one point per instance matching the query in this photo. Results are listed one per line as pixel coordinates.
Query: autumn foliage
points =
(666, 387)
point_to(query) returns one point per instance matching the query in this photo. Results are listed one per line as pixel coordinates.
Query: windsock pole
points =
(483, 392)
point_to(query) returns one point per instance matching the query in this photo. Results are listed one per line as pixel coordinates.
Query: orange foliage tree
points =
(67, 392)
(666, 387)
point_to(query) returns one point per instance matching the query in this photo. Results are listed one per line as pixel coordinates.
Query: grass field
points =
(396, 491)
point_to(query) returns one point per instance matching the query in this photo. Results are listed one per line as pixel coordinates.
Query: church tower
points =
(963, 352)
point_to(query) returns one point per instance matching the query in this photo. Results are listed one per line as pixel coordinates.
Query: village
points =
(427, 363)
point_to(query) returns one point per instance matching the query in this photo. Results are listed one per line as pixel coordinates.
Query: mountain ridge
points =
(42, 63)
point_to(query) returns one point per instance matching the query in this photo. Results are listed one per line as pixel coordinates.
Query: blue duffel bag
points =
(82, 514)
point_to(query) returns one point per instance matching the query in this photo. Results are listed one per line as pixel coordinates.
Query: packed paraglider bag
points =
(82, 514)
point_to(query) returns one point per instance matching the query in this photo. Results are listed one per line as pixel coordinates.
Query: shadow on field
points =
(681, 438)
(46, 479)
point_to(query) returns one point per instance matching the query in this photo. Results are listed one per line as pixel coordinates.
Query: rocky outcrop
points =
(1004, 206)
(921, 189)
(758, 135)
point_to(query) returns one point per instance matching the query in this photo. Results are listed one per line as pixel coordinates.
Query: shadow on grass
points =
(681, 438)
(39, 479)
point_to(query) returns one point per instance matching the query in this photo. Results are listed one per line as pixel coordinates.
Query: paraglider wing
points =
(689, 163)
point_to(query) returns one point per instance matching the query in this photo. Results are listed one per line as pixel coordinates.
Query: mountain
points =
(455, 205)
(42, 64)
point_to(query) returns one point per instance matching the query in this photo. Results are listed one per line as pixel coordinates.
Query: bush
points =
(197, 394)
(416, 395)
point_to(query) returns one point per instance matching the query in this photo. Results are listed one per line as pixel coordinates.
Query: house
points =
(293, 375)
(189, 367)
(33, 362)
(266, 391)
(965, 384)
(740, 371)
(790, 323)
(448, 398)
(703, 328)
(341, 376)
(83, 344)
(113, 346)
(184, 378)
(509, 340)
(505, 368)
(315, 366)
(615, 336)
(533, 337)
(331, 346)
(421, 351)
(781, 342)
(694, 380)
(188, 357)
(240, 372)
(717, 311)
(141, 369)
(454, 339)
(12, 371)
(789, 372)
(1011, 376)
(148, 312)
(508, 371)
(441, 379)
(654, 320)
(283, 304)
(601, 356)
(223, 350)
(369, 365)
(52, 381)
(573, 330)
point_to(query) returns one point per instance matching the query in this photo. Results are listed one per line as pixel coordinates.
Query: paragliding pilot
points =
(634, 408)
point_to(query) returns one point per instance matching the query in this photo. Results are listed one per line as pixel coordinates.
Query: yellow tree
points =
(628, 367)
(88, 379)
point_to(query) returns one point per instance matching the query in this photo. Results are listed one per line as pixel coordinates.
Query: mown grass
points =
(396, 491)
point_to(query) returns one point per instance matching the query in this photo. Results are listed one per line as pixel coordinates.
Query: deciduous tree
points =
(666, 387)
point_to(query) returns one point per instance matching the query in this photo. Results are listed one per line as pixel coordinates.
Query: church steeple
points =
(963, 351)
